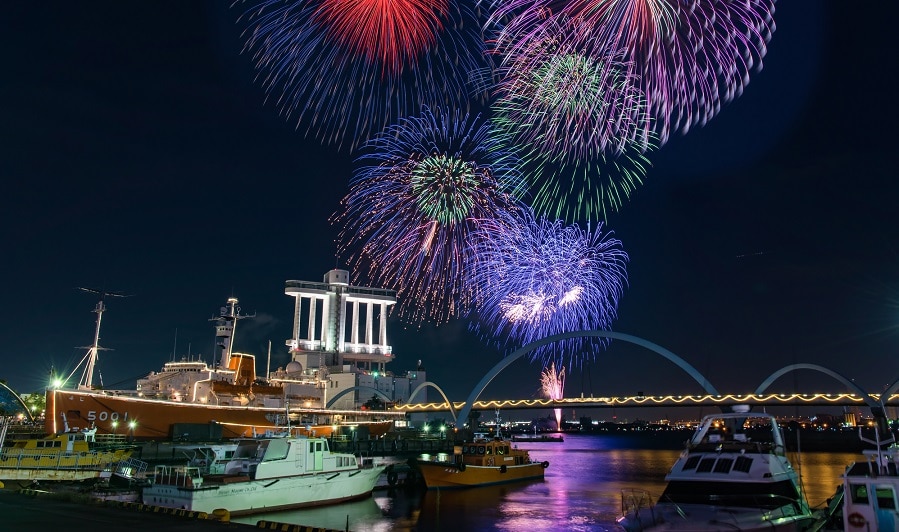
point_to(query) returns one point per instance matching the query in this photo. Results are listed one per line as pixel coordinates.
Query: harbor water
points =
(581, 492)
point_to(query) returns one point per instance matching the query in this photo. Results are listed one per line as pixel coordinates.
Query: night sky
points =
(138, 155)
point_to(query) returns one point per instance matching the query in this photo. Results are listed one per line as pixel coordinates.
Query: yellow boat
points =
(64, 456)
(481, 462)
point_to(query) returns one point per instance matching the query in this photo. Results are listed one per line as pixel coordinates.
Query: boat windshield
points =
(754, 495)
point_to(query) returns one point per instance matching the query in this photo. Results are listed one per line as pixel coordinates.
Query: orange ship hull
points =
(445, 475)
(150, 419)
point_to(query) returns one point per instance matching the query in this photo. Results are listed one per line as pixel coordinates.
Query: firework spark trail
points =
(552, 383)
(691, 56)
(532, 278)
(573, 109)
(420, 192)
(345, 69)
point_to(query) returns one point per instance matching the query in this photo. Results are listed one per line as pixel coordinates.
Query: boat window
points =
(705, 465)
(859, 493)
(691, 462)
(743, 464)
(489, 449)
(480, 449)
(885, 499)
(723, 465)
(277, 450)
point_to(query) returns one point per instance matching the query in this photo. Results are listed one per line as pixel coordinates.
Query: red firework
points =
(392, 33)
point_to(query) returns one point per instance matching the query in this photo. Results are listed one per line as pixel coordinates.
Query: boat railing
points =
(37, 460)
(183, 476)
(637, 504)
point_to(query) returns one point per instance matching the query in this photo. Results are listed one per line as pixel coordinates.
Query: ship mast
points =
(226, 324)
(90, 358)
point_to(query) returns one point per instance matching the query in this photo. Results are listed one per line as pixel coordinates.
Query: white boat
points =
(211, 458)
(867, 497)
(267, 474)
(733, 475)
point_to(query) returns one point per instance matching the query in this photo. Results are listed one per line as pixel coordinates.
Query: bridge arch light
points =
(377, 392)
(424, 385)
(866, 397)
(506, 361)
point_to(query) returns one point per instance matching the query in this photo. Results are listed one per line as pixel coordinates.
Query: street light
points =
(115, 425)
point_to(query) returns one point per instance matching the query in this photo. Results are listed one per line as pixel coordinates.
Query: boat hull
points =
(265, 495)
(707, 518)
(154, 419)
(447, 475)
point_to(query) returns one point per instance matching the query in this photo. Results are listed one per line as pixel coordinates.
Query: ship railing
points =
(177, 476)
(67, 461)
(638, 505)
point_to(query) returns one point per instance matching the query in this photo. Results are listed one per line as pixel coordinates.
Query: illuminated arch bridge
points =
(11, 404)
(461, 410)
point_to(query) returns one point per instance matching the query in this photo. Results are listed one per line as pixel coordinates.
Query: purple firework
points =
(691, 56)
(417, 199)
(535, 278)
(345, 69)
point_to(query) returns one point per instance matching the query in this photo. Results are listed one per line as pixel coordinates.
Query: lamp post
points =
(115, 426)
(131, 425)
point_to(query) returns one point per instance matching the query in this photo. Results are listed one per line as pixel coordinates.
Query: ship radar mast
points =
(226, 324)
(90, 358)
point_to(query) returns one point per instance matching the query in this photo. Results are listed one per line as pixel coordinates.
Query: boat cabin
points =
(484, 452)
(67, 442)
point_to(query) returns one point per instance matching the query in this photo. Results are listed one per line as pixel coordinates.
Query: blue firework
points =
(534, 278)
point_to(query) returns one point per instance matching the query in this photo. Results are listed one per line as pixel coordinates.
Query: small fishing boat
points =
(266, 474)
(733, 475)
(483, 461)
(68, 456)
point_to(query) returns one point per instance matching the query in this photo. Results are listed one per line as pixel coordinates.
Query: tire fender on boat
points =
(545, 464)
(461, 467)
(856, 520)
(502, 468)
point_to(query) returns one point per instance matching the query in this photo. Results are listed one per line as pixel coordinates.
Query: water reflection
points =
(581, 492)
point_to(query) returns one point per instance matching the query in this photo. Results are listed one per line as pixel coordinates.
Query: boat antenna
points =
(90, 358)
(268, 365)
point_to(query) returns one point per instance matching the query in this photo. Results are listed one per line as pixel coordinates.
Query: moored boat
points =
(480, 462)
(868, 495)
(733, 475)
(267, 474)
(68, 456)
(319, 390)
(538, 438)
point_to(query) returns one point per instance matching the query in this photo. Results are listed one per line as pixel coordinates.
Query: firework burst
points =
(552, 383)
(534, 278)
(344, 69)
(691, 56)
(573, 108)
(417, 200)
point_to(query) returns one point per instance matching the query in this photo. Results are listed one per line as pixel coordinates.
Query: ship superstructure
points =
(337, 366)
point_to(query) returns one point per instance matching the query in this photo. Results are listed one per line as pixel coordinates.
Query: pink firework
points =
(553, 386)
(691, 56)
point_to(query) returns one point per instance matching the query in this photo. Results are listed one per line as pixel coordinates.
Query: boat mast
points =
(90, 359)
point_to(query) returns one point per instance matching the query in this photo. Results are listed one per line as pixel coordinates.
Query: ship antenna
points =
(90, 358)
